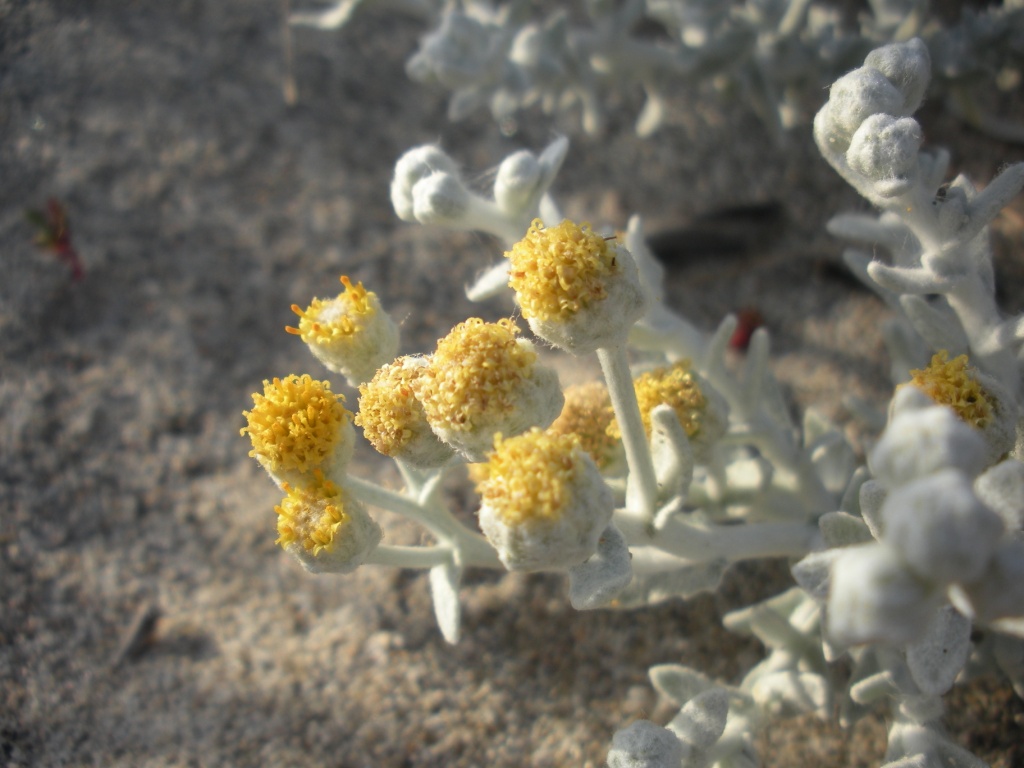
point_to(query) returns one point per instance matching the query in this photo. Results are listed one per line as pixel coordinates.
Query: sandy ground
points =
(147, 618)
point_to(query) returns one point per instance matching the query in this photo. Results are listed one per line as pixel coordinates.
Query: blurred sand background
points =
(146, 616)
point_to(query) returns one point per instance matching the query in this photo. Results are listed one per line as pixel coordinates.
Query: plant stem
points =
(642, 486)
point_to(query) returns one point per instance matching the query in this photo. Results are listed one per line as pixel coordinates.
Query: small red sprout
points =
(748, 321)
(54, 235)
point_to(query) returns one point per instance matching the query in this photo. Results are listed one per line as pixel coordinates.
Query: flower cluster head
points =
(975, 398)
(482, 380)
(326, 529)
(588, 414)
(544, 504)
(954, 383)
(350, 334)
(393, 419)
(700, 410)
(299, 427)
(576, 289)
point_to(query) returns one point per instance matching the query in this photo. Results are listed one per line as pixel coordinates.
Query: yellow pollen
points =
(313, 516)
(389, 412)
(474, 374)
(557, 271)
(330, 321)
(528, 479)
(295, 424)
(588, 414)
(952, 383)
(674, 386)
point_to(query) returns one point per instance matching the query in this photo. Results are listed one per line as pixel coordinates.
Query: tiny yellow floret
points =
(389, 412)
(327, 321)
(588, 414)
(296, 424)
(315, 517)
(953, 383)
(475, 375)
(674, 386)
(529, 478)
(557, 271)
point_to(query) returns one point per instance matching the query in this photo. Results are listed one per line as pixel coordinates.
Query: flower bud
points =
(350, 334)
(325, 529)
(299, 427)
(393, 419)
(907, 66)
(884, 149)
(576, 289)
(644, 744)
(940, 528)
(482, 380)
(411, 168)
(516, 183)
(544, 504)
(440, 198)
(853, 98)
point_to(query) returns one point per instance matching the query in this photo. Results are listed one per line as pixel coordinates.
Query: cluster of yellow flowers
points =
(301, 433)
(481, 382)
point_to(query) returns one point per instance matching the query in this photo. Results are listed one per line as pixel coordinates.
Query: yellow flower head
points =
(557, 271)
(475, 375)
(327, 530)
(588, 414)
(325, 321)
(954, 383)
(392, 417)
(675, 386)
(350, 334)
(530, 478)
(297, 426)
(389, 412)
(544, 504)
(313, 518)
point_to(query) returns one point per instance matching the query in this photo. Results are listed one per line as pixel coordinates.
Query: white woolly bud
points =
(544, 503)
(908, 66)
(411, 168)
(645, 745)
(855, 97)
(515, 186)
(919, 442)
(884, 149)
(440, 198)
(940, 528)
(875, 598)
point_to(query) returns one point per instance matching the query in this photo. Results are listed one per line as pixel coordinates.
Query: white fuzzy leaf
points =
(444, 588)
